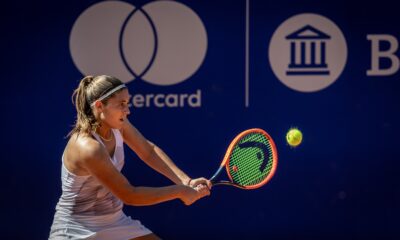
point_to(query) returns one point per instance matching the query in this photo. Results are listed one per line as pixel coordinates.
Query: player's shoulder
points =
(87, 147)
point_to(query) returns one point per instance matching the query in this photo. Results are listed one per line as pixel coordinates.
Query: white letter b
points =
(376, 55)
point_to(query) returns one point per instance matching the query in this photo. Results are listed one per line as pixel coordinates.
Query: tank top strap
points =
(119, 141)
(118, 157)
(96, 136)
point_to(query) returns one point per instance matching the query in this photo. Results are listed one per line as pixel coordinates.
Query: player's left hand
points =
(194, 183)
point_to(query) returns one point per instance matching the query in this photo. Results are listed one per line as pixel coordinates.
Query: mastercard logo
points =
(162, 43)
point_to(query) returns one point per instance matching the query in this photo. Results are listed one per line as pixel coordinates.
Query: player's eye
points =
(124, 104)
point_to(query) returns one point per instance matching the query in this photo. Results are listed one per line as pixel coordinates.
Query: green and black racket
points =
(250, 161)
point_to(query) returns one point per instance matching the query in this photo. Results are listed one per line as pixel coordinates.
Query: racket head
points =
(251, 159)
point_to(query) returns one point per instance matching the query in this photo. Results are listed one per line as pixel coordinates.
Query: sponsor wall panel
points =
(200, 72)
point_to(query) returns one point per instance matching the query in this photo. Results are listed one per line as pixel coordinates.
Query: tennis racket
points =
(250, 161)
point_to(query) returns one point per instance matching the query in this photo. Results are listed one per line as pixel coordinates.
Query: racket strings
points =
(251, 160)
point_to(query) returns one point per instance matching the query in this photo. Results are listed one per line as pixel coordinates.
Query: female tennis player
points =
(93, 188)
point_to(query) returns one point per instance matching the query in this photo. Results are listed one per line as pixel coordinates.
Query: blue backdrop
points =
(342, 182)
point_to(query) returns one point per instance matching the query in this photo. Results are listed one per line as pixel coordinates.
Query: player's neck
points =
(104, 132)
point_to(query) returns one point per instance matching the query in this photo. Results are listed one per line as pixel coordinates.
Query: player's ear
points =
(98, 105)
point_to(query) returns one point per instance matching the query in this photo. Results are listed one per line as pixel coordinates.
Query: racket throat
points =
(213, 178)
(222, 182)
(215, 182)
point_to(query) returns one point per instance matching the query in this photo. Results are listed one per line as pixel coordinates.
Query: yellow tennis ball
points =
(294, 137)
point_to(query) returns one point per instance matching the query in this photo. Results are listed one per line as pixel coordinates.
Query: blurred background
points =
(200, 72)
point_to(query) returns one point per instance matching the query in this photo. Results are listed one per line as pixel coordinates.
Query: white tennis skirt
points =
(116, 226)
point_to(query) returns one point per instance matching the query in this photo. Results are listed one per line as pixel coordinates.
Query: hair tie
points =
(87, 80)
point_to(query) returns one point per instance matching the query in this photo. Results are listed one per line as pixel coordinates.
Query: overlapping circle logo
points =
(162, 42)
(308, 52)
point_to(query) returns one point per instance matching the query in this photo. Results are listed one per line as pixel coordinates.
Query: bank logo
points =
(162, 42)
(307, 52)
(311, 44)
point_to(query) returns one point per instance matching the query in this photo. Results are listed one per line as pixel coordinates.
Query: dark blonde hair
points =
(89, 90)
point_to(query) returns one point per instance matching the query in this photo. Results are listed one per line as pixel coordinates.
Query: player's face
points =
(116, 110)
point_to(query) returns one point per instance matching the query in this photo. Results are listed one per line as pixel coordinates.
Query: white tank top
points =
(88, 210)
(85, 195)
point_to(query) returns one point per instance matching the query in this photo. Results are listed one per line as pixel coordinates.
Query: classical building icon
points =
(308, 52)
